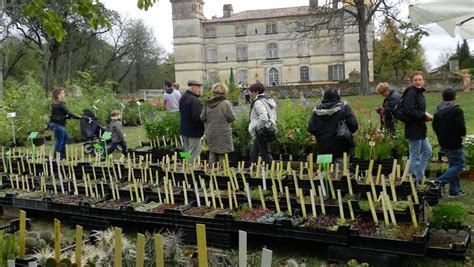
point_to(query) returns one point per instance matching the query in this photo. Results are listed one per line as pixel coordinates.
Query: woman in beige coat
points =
(217, 116)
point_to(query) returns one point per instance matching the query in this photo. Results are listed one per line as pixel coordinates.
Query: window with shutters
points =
(210, 32)
(211, 54)
(271, 28)
(240, 30)
(304, 74)
(242, 54)
(242, 76)
(273, 76)
(336, 72)
(272, 51)
(303, 49)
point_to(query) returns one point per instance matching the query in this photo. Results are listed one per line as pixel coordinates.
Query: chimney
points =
(313, 4)
(228, 11)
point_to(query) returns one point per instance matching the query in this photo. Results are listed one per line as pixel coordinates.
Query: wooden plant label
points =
(331, 187)
(288, 201)
(321, 182)
(412, 212)
(313, 204)
(202, 244)
(229, 195)
(118, 247)
(185, 191)
(349, 185)
(57, 240)
(413, 189)
(79, 233)
(384, 209)
(249, 199)
(341, 208)
(170, 192)
(405, 171)
(372, 208)
(379, 171)
(344, 165)
(213, 198)
(372, 187)
(266, 258)
(196, 191)
(22, 234)
(392, 187)
(351, 210)
(275, 198)
(303, 205)
(296, 183)
(321, 200)
(204, 190)
(140, 250)
(259, 164)
(242, 248)
(390, 209)
(159, 254)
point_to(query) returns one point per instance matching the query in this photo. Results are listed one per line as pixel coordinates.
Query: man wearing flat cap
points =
(192, 128)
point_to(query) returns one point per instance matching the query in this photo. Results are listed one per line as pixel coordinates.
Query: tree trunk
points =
(363, 49)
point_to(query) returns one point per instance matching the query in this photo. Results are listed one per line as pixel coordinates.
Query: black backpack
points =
(399, 111)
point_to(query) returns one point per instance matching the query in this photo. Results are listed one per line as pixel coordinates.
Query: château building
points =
(264, 45)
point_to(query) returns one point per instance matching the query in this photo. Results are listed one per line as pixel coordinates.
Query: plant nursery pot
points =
(455, 251)
(39, 141)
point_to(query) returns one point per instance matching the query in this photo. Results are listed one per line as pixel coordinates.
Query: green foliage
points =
(355, 263)
(27, 99)
(398, 52)
(469, 152)
(50, 262)
(146, 4)
(8, 248)
(53, 21)
(241, 135)
(368, 135)
(463, 53)
(66, 262)
(166, 124)
(449, 215)
(292, 121)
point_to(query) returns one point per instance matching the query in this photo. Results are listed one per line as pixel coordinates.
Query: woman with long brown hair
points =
(57, 121)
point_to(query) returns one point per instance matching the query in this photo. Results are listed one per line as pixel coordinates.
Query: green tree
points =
(398, 52)
(464, 52)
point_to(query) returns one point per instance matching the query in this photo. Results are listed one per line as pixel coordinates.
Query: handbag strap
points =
(268, 112)
(343, 111)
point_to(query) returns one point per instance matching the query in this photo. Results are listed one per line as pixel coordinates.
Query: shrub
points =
(241, 136)
(166, 124)
(448, 215)
(368, 133)
(27, 99)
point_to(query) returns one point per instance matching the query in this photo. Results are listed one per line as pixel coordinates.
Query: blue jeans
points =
(456, 165)
(113, 146)
(60, 138)
(420, 155)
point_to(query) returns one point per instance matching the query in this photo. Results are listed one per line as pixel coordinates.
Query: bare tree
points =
(335, 16)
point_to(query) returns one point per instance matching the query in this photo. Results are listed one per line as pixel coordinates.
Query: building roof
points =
(264, 13)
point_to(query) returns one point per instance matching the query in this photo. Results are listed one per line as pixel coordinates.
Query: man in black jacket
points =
(324, 122)
(391, 99)
(449, 126)
(192, 128)
(415, 129)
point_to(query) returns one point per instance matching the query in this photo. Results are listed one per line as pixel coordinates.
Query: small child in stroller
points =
(91, 130)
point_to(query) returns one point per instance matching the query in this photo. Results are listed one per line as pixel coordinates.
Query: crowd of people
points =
(329, 118)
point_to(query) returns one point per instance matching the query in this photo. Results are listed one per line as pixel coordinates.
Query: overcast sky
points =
(159, 18)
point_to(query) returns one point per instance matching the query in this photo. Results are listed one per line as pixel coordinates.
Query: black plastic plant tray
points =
(339, 237)
(416, 247)
(158, 219)
(69, 208)
(456, 251)
(31, 204)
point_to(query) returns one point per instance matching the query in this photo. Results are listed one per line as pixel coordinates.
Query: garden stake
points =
(57, 240)
(112, 189)
(251, 170)
(390, 209)
(259, 162)
(336, 172)
(331, 187)
(321, 182)
(54, 185)
(171, 193)
(244, 180)
(173, 179)
(242, 248)
(159, 255)
(236, 204)
(379, 171)
(137, 195)
(413, 189)
(79, 232)
(33, 182)
(229, 196)
(27, 184)
(264, 178)
(345, 171)
(303, 205)
(369, 171)
(313, 204)
(23, 182)
(118, 191)
(372, 208)
(204, 190)
(185, 191)
(249, 199)
(392, 187)
(140, 250)
(262, 199)
(17, 182)
(321, 200)
(22, 234)
(412, 212)
(398, 170)
(394, 167)
(405, 171)
(266, 258)
(301, 170)
(159, 195)
(288, 201)
(384, 184)
(351, 210)
(341, 208)
(196, 191)
(275, 198)
(102, 189)
(118, 247)
(384, 209)
(90, 186)
(213, 198)
(10, 176)
(372, 187)
(201, 243)
(296, 183)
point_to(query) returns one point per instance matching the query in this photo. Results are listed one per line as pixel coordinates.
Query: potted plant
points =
(469, 156)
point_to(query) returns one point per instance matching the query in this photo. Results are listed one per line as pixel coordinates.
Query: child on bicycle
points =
(116, 128)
